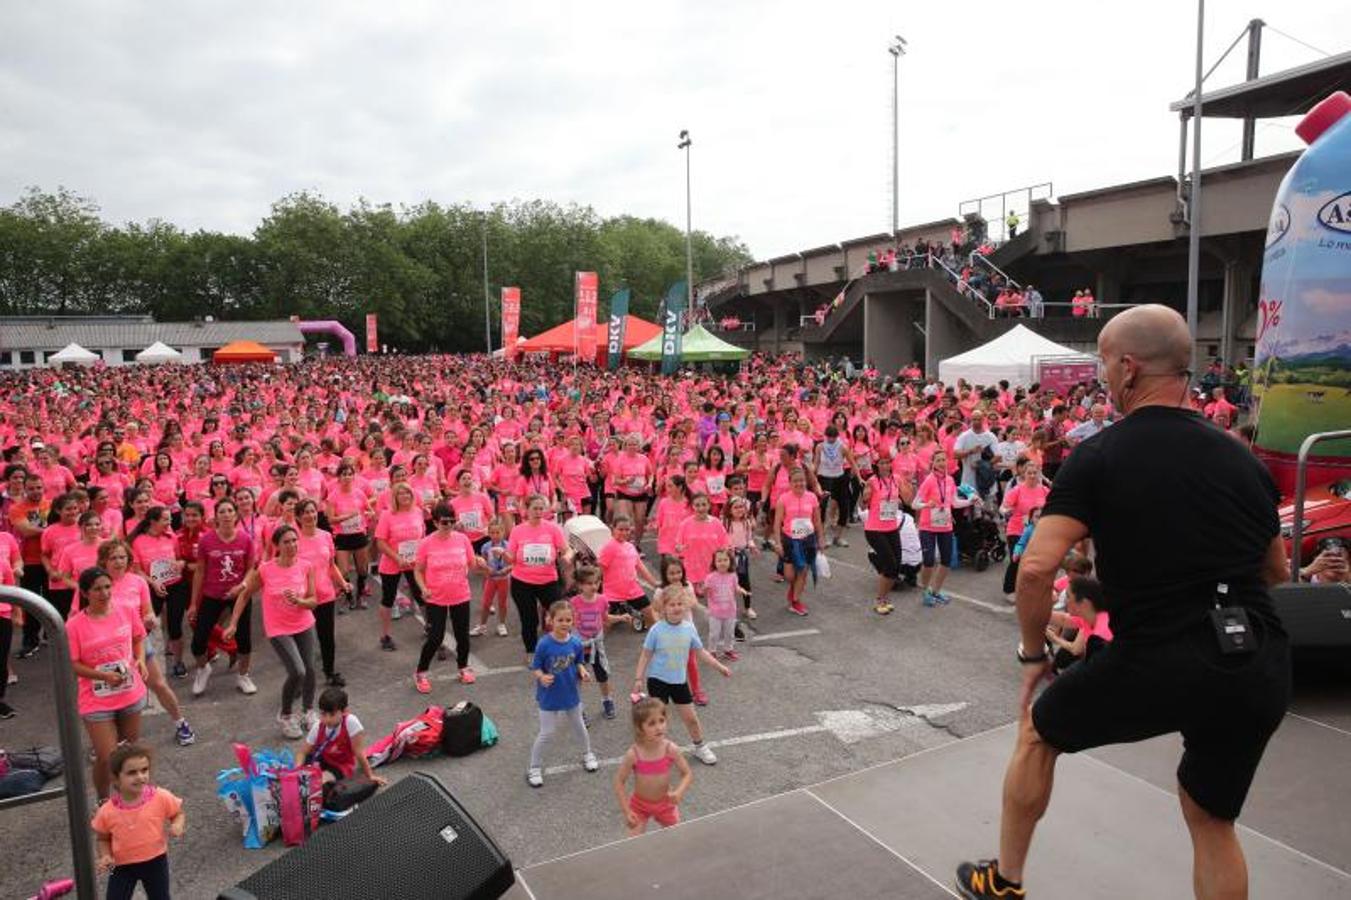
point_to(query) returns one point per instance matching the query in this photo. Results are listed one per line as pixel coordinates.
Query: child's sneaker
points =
(478, 631)
(387, 643)
(183, 733)
(501, 629)
(589, 761)
(929, 598)
(607, 708)
(534, 777)
(705, 754)
(797, 608)
(423, 685)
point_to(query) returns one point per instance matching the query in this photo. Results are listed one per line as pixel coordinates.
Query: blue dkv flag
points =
(619, 319)
(673, 311)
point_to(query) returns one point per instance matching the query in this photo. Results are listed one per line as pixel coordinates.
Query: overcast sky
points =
(203, 114)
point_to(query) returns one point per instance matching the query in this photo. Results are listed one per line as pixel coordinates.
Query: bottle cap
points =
(1323, 116)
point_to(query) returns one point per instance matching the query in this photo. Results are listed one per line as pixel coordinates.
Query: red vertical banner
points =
(511, 320)
(372, 339)
(588, 293)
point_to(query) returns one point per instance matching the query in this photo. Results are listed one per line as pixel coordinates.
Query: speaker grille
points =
(409, 842)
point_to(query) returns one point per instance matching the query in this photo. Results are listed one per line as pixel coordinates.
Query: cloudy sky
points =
(204, 113)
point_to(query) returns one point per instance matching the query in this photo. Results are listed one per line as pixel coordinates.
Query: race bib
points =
(716, 484)
(940, 517)
(164, 573)
(889, 511)
(637, 483)
(800, 528)
(353, 525)
(471, 520)
(407, 552)
(104, 689)
(537, 554)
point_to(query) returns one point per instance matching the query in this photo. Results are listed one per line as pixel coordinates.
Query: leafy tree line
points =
(420, 268)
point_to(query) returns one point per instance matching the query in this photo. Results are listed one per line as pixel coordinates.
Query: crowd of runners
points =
(162, 510)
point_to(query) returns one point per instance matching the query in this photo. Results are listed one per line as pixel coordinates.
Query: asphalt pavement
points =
(811, 699)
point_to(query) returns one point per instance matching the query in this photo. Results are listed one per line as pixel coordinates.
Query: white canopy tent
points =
(73, 353)
(1011, 357)
(159, 352)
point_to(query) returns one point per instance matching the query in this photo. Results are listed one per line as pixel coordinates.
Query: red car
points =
(1327, 512)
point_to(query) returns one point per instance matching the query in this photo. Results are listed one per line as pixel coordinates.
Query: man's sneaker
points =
(245, 684)
(183, 733)
(607, 708)
(179, 670)
(929, 598)
(421, 683)
(7, 711)
(589, 761)
(534, 777)
(478, 631)
(200, 680)
(501, 629)
(705, 754)
(290, 728)
(797, 608)
(387, 643)
(977, 880)
(467, 676)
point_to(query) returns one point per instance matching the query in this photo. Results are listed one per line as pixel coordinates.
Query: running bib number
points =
(471, 520)
(889, 511)
(104, 689)
(637, 483)
(716, 484)
(800, 528)
(940, 517)
(537, 554)
(407, 552)
(352, 525)
(163, 572)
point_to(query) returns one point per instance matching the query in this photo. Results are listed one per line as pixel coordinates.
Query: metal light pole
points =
(685, 142)
(897, 50)
(487, 302)
(1194, 201)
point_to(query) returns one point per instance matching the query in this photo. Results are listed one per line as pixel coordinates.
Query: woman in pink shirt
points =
(167, 483)
(502, 482)
(534, 549)
(397, 534)
(442, 567)
(621, 567)
(473, 511)
(697, 537)
(82, 554)
(107, 654)
(154, 553)
(288, 600)
(632, 472)
(347, 506)
(885, 495)
(672, 509)
(935, 500)
(573, 476)
(1028, 494)
(535, 479)
(65, 530)
(107, 476)
(316, 548)
(247, 473)
(797, 534)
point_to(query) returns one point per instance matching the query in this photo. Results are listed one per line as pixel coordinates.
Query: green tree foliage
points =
(420, 268)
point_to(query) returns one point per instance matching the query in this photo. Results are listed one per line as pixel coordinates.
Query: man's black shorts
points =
(666, 692)
(1226, 708)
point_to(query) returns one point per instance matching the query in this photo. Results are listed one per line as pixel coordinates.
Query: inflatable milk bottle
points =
(1302, 374)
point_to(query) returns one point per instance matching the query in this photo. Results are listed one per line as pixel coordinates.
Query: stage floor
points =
(898, 830)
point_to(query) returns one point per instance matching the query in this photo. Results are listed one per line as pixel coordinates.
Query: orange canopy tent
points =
(563, 338)
(243, 352)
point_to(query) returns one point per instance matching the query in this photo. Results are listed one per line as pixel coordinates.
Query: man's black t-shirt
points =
(1174, 506)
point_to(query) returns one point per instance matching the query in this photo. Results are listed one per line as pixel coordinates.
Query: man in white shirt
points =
(969, 445)
(1096, 422)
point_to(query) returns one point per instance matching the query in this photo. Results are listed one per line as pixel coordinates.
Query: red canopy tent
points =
(243, 352)
(563, 338)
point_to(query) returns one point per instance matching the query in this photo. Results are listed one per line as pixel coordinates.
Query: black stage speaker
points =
(411, 841)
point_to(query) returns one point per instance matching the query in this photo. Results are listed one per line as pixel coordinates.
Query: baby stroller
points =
(980, 540)
(586, 536)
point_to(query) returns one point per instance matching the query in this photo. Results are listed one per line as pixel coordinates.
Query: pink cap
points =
(1323, 116)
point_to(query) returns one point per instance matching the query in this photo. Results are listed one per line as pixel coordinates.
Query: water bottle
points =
(1302, 372)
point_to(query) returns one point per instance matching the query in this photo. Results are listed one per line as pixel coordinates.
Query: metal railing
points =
(1042, 191)
(72, 746)
(980, 259)
(1301, 476)
(968, 290)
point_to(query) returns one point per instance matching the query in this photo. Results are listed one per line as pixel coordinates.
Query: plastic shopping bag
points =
(822, 565)
(247, 793)
(300, 797)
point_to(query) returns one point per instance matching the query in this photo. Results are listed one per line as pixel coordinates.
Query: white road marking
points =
(780, 635)
(849, 726)
(1005, 610)
(1319, 724)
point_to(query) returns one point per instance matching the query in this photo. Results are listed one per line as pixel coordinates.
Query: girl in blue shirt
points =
(557, 666)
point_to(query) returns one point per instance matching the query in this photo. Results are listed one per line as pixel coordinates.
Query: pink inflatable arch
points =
(328, 326)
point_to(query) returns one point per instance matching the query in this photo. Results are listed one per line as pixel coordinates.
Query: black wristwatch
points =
(1030, 660)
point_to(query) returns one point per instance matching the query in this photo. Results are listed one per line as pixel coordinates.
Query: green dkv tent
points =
(696, 346)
